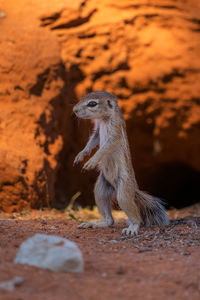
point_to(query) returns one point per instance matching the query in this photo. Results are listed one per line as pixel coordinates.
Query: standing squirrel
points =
(113, 158)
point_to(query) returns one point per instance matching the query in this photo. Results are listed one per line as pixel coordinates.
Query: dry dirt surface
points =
(52, 52)
(159, 263)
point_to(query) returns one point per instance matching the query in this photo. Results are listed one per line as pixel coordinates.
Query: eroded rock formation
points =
(146, 53)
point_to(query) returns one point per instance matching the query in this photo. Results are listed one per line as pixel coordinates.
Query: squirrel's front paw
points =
(90, 164)
(79, 157)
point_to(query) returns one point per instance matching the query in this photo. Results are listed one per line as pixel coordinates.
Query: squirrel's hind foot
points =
(131, 230)
(94, 224)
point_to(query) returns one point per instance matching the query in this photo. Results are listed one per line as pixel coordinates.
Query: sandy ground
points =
(160, 263)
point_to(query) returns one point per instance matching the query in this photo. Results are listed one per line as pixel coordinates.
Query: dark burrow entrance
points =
(176, 183)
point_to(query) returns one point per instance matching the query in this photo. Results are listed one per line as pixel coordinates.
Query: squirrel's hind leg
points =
(103, 193)
(125, 198)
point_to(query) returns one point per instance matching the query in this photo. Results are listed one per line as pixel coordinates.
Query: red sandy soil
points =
(52, 52)
(159, 263)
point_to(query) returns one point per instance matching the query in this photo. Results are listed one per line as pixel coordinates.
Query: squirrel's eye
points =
(92, 104)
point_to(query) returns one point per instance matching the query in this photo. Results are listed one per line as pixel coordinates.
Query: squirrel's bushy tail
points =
(151, 208)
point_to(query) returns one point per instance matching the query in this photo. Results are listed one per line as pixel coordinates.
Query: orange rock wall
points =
(53, 52)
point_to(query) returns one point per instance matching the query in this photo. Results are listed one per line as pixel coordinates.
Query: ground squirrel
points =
(113, 158)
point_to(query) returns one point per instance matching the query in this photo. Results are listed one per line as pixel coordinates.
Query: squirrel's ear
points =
(109, 104)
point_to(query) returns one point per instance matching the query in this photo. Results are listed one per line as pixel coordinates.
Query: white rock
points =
(9, 285)
(50, 252)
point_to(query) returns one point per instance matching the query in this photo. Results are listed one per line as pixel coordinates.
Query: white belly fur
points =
(108, 164)
(103, 133)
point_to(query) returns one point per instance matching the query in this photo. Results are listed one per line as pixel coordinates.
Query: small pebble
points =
(43, 222)
(186, 253)
(192, 223)
(120, 271)
(144, 250)
(113, 241)
(9, 285)
(53, 227)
